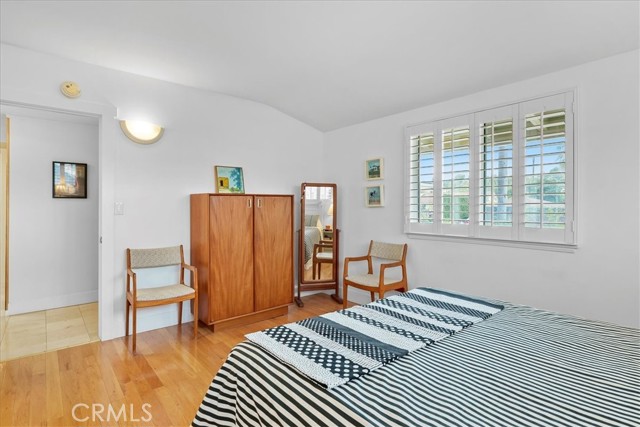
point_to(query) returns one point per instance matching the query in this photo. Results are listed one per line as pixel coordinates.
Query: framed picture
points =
(229, 179)
(374, 169)
(374, 196)
(69, 180)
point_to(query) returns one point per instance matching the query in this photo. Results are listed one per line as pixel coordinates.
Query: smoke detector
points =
(70, 89)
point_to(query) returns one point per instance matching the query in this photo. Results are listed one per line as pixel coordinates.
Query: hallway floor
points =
(42, 331)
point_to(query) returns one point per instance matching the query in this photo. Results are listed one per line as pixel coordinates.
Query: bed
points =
(312, 235)
(520, 367)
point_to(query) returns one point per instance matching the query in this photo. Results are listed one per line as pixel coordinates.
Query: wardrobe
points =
(242, 246)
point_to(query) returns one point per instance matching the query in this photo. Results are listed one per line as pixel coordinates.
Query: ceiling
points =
(329, 64)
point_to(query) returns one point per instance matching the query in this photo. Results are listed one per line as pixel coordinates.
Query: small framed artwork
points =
(69, 180)
(374, 196)
(374, 168)
(229, 179)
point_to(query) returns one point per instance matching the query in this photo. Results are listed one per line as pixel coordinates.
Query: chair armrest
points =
(317, 247)
(194, 274)
(189, 267)
(356, 258)
(384, 266)
(390, 265)
(131, 275)
(347, 260)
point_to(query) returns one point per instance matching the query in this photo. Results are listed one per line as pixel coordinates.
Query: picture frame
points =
(374, 196)
(69, 180)
(229, 179)
(374, 169)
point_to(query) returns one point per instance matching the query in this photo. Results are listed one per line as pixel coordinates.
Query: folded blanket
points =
(343, 345)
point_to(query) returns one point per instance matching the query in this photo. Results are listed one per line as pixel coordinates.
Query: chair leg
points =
(126, 322)
(381, 293)
(373, 296)
(134, 328)
(180, 313)
(344, 295)
(195, 318)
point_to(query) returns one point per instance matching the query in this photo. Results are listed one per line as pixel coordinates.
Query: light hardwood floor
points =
(171, 372)
(325, 274)
(41, 331)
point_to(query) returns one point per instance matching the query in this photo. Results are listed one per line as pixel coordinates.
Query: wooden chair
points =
(377, 282)
(168, 294)
(322, 254)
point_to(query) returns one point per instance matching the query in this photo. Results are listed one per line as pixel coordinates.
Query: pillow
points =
(311, 220)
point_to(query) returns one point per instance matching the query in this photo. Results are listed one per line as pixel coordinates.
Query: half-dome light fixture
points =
(141, 132)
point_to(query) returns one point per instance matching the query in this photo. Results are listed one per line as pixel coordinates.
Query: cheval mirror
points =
(318, 240)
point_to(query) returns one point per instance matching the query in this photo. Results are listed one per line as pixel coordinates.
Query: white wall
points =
(53, 242)
(203, 129)
(599, 280)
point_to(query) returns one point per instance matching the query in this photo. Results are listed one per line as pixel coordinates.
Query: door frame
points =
(107, 128)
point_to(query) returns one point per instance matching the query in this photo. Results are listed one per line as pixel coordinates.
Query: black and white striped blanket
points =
(337, 347)
(522, 367)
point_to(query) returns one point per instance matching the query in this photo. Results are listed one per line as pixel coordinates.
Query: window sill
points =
(553, 247)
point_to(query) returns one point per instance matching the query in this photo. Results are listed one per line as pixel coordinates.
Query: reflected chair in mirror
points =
(377, 282)
(322, 254)
(140, 297)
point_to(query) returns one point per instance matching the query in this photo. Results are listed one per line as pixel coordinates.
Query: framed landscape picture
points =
(374, 169)
(229, 179)
(374, 196)
(69, 180)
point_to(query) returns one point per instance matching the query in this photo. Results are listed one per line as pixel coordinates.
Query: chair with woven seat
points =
(160, 295)
(377, 282)
(322, 254)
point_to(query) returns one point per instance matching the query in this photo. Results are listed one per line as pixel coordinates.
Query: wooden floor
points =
(170, 372)
(31, 333)
(325, 274)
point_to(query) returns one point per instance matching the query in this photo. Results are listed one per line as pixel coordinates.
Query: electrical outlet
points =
(119, 208)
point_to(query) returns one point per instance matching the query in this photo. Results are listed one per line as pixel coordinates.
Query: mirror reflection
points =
(318, 240)
(318, 233)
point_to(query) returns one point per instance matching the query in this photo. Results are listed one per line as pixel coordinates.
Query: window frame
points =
(517, 234)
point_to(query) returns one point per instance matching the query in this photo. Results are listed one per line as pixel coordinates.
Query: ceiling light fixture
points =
(141, 132)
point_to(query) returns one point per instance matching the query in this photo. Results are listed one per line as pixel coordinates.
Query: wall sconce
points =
(141, 132)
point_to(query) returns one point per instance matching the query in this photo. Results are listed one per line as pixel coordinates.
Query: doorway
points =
(53, 254)
(4, 220)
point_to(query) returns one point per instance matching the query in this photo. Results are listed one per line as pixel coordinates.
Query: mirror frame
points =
(317, 285)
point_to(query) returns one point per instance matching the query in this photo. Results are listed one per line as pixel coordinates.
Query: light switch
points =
(119, 208)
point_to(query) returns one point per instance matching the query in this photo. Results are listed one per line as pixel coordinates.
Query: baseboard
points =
(48, 303)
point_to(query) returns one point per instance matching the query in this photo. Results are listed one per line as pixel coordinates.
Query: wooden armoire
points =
(242, 245)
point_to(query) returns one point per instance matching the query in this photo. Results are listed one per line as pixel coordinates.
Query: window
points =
(504, 173)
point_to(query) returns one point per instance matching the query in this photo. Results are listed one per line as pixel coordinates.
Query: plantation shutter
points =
(454, 208)
(497, 177)
(546, 189)
(420, 213)
(504, 173)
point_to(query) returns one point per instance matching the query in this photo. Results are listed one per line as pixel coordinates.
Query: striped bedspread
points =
(521, 367)
(337, 347)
